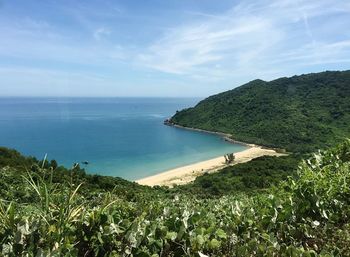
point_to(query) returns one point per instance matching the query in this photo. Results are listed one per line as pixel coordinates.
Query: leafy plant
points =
(306, 215)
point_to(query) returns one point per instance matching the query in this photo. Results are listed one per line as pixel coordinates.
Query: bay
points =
(122, 137)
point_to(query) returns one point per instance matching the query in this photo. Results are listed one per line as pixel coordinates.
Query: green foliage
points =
(12, 158)
(300, 114)
(13, 166)
(250, 177)
(306, 215)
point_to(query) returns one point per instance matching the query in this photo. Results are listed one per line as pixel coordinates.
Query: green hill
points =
(300, 113)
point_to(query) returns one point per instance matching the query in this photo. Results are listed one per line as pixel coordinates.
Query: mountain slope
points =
(300, 113)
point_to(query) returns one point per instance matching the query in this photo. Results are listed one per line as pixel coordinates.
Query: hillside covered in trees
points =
(300, 113)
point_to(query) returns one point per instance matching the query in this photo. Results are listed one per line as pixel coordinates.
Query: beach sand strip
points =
(188, 173)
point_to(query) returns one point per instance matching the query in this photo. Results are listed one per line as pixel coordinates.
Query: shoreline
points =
(226, 136)
(188, 173)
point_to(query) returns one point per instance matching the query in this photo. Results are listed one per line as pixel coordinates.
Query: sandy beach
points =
(188, 173)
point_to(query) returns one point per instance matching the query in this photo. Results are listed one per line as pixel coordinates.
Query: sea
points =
(121, 137)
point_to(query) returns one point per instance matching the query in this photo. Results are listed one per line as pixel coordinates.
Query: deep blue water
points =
(122, 137)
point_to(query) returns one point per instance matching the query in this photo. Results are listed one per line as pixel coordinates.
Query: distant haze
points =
(165, 48)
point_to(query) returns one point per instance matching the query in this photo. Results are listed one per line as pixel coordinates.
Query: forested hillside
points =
(300, 113)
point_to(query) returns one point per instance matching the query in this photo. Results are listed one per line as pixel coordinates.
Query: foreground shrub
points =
(307, 215)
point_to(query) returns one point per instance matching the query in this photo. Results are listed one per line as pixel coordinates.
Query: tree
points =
(229, 158)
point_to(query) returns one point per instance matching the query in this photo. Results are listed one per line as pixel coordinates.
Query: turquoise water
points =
(122, 137)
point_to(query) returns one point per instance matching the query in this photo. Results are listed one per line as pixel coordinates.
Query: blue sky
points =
(165, 48)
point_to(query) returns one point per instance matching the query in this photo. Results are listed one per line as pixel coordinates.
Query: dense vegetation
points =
(14, 167)
(300, 114)
(251, 177)
(307, 215)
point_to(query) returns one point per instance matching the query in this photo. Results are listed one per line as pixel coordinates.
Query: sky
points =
(177, 48)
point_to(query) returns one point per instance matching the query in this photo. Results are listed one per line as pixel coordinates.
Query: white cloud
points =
(251, 38)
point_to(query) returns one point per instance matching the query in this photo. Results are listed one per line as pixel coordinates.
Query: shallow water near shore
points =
(122, 137)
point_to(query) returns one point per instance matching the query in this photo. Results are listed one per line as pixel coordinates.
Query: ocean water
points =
(122, 137)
